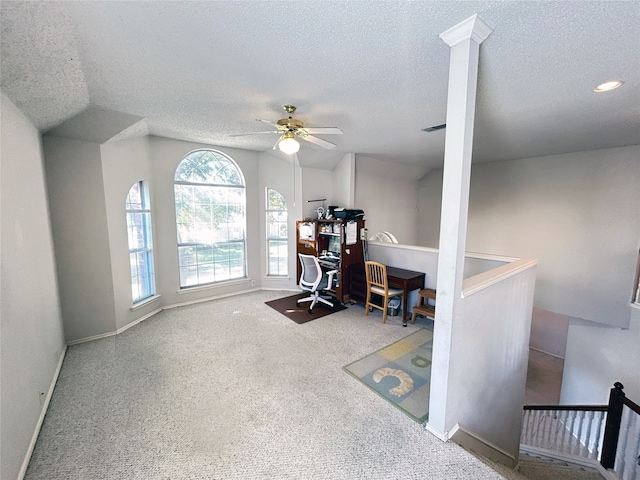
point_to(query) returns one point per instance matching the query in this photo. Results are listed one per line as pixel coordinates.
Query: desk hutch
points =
(314, 237)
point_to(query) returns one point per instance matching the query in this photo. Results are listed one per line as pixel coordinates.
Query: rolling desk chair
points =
(315, 281)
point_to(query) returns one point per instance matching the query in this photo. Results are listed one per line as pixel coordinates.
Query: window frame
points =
(282, 261)
(635, 295)
(146, 288)
(200, 260)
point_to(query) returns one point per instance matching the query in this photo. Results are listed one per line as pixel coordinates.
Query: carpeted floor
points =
(231, 389)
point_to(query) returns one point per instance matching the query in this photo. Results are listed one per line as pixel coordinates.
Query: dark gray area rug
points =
(300, 314)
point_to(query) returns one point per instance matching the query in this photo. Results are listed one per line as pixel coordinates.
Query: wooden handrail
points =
(577, 408)
(632, 405)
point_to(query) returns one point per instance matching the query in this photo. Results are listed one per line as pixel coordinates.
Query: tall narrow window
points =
(277, 253)
(210, 219)
(636, 286)
(140, 243)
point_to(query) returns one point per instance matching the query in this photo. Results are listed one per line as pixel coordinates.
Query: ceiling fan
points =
(291, 128)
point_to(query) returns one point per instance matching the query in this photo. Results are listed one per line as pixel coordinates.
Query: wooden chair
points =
(378, 284)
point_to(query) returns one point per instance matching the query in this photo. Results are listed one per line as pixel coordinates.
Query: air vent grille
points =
(435, 128)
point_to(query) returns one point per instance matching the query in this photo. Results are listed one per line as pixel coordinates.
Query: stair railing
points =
(621, 446)
(588, 434)
(574, 430)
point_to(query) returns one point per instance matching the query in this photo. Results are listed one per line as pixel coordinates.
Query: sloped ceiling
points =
(202, 71)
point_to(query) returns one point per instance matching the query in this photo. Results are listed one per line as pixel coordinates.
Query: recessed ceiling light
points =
(605, 87)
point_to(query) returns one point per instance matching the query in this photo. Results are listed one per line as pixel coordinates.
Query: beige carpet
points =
(231, 389)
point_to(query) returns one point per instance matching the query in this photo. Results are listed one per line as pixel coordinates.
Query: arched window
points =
(140, 243)
(277, 252)
(210, 217)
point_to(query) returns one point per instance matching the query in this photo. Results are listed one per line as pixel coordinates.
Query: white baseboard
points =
(137, 321)
(213, 297)
(91, 338)
(437, 433)
(157, 310)
(43, 412)
(470, 441)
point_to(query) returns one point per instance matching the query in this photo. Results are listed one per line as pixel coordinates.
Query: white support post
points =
(464, 40)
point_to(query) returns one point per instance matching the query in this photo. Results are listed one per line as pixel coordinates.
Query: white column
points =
(464, 40)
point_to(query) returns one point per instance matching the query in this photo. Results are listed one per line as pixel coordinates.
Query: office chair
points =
(314, 281)
(378, 284)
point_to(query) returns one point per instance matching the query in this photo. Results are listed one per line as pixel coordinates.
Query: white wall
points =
(344, 182)
(429, 206)
(388, 195)
(549, 332)
(577, 214)
(31, 331)
(81, 236)
(316, 184)
(487, 359)
(124, 164)
(597, 357)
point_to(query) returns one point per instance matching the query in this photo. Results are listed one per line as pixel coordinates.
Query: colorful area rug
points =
(400, 373)
(287, 306)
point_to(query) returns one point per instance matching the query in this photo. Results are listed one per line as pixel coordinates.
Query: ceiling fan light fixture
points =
(289, 144)
(605, 87)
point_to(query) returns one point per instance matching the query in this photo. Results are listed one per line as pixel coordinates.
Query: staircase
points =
(582, 441)
(535, 467)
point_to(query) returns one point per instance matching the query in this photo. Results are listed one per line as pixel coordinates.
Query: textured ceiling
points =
(378, 70)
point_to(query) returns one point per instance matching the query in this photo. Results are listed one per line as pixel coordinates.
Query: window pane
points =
(277, 252)
(208, 167)
(210, 211)
(140, 243)
(134, 201)
(278, 256)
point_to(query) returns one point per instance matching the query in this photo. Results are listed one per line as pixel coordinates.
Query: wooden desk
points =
(407, 280)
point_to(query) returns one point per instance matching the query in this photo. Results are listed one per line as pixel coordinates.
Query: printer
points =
(348, 213)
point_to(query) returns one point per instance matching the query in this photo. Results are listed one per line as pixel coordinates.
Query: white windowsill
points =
(213, 286)
(144, 302)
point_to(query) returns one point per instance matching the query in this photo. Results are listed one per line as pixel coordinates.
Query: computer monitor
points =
(334, 246)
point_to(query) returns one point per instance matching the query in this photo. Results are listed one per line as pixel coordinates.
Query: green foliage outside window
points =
(277, 242)
(210, 219)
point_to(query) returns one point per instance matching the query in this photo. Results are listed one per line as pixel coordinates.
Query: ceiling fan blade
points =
(323, 130)
(317, 141)
(275, 147)
(269, 122)
(252, 133)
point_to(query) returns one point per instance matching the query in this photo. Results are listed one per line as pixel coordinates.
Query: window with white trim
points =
(210, 219)
(636, 287)
(277, 234)
(140, 243)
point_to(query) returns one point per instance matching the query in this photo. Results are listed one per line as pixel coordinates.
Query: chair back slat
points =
(376, 274)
